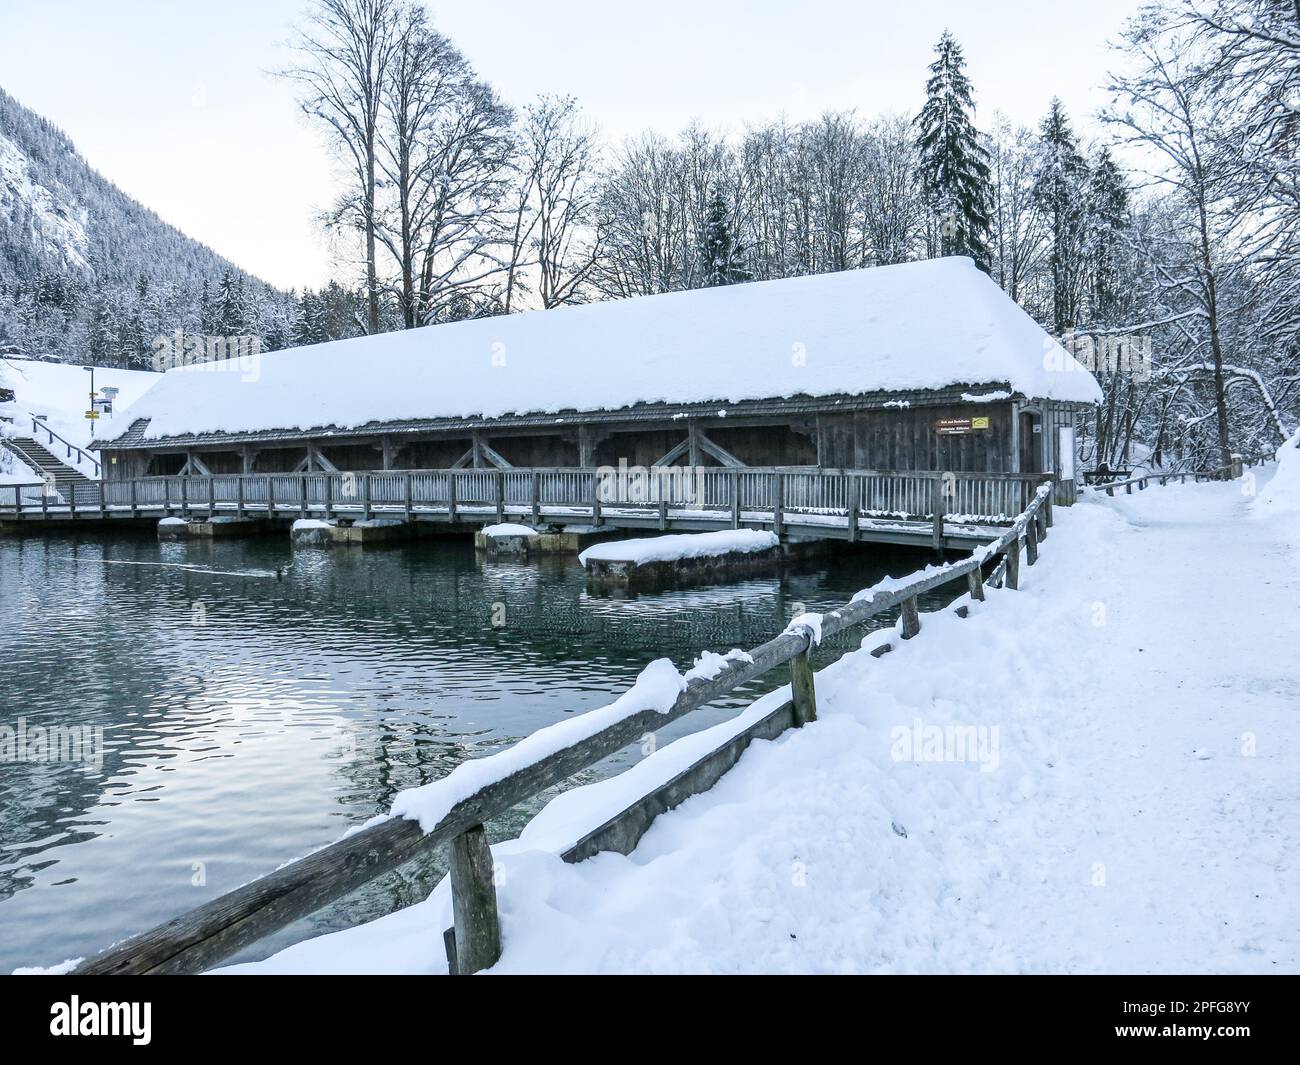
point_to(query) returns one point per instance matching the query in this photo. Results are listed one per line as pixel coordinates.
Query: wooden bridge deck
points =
(946, 511)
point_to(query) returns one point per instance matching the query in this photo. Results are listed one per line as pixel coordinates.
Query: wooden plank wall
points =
(906, 439)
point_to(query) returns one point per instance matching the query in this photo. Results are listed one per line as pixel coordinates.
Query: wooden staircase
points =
(68, 481)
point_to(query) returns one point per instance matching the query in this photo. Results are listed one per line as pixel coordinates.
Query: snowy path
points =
(1124, 825)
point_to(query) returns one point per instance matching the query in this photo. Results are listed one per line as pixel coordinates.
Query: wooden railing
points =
(82, 456)
(199, 939)
(726, 495)
(1218, 473)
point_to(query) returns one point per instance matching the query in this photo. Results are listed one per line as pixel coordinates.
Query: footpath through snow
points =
(1130, 805)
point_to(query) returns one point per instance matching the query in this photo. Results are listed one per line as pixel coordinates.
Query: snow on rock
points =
(1087, 834)
(681, 545)
(507, 528)
(656, 688)
(931, 324)
(173, 521)
(53, 223)
(310, 523)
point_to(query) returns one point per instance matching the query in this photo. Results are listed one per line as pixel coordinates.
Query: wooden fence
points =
(1218, 473)
(198, 940)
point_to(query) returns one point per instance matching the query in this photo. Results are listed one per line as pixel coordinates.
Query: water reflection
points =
(256, 701)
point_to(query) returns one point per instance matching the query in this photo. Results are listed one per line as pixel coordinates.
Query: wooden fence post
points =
(911, 618)
(734, 481)
(451, 495)
(778, 502)
(802, 692)
(365, 496)
(936, 508)
(975, 584)
(474, 902)
(501, 495)
(1013, 564)
(595, 498)
(1031, 542)
(535, 490)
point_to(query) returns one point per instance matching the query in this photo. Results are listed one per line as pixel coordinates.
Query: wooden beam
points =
(494, 457)
(802, 692)
(474, 902)
(717, 451)
(673, 454)
(911, 617)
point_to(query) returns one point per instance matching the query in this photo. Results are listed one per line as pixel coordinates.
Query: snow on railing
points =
(454, 809)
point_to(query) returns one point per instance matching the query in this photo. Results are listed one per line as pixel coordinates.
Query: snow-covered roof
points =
(923, 325)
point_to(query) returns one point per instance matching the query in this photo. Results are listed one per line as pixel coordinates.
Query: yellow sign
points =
(92, 414)
(979, 423)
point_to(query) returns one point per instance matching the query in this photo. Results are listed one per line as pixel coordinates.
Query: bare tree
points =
(554, 226)
(342, 62)
(1165, 111)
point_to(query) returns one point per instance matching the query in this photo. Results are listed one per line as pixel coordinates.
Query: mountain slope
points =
(86, 272)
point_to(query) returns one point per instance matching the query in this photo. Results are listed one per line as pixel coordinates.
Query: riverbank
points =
(1127, 802)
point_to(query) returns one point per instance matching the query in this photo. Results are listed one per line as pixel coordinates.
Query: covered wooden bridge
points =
(915, 393)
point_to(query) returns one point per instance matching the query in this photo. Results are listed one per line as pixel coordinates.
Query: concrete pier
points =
(211, 528)
(313, 532)
(654, 563)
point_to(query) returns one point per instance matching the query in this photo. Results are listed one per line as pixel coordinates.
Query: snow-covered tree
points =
(953, 164)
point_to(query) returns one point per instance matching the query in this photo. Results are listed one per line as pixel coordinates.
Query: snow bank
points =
(61, 392)
(931, 324)
(681, 545)
(1281, 495)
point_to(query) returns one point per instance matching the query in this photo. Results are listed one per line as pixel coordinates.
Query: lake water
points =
(249, 716)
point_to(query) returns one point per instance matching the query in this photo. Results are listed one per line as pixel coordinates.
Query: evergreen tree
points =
(1108, 218)
(231, 308)
(720, 253)
(953, 164)
(1059, 191)
(307, 326)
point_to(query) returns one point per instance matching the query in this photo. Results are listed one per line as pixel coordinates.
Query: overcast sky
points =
(173, 100)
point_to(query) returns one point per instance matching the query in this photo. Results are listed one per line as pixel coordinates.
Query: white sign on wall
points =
(1065, 452)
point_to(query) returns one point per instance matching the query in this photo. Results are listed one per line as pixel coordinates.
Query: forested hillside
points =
(86, 273)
